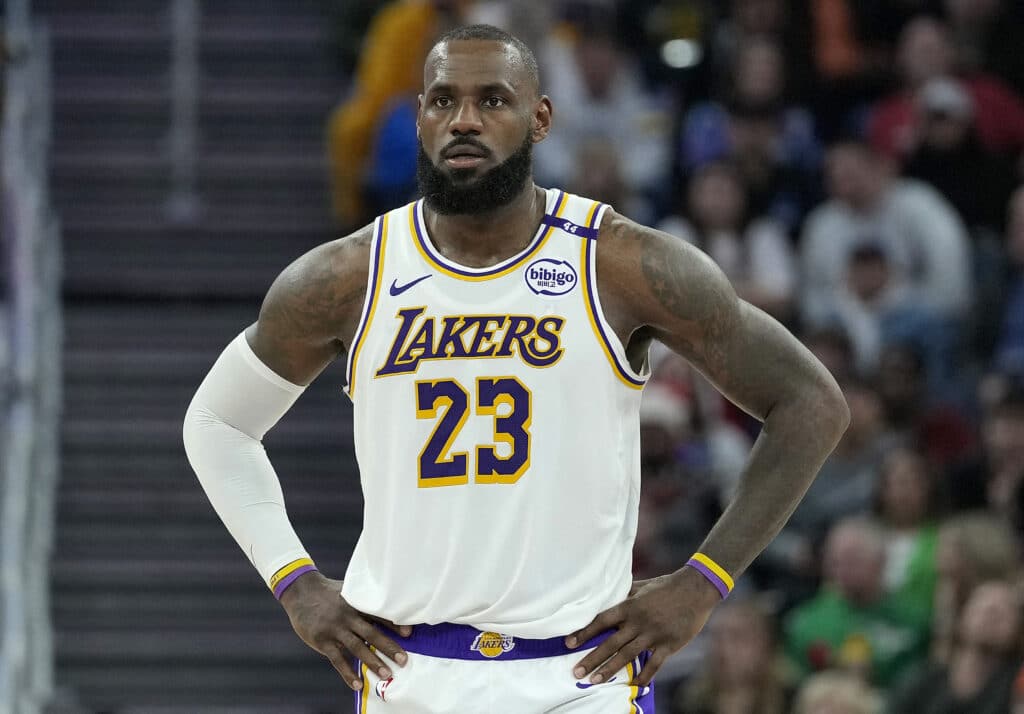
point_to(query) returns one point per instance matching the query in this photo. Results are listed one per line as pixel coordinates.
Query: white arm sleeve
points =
(238, 402)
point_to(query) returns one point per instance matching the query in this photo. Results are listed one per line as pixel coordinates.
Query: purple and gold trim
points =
(451, 641)
(436, 260)
(369, 307)
(593, 304)
(641, 699)
(715, 573)
(364, 693)
(358, 692)
(287, 575)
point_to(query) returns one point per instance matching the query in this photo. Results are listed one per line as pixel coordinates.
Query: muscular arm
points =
(307, 319)
(251, 386)
(654, 285)
(311, 311)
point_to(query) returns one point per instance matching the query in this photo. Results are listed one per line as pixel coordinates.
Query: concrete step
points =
(290, 226)
(194, 688)
(119, 28)
(58, 8)
(227, 646)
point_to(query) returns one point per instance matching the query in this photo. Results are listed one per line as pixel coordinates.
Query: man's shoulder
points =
(322, 291)
(826, 216)
(344, 258)
(911, 194)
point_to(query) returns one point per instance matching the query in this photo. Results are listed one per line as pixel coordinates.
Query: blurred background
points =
(854, 167)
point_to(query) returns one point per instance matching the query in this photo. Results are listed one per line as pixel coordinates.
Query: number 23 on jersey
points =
(505, 400)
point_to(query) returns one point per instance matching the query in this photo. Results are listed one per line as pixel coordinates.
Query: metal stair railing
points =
(32, 333)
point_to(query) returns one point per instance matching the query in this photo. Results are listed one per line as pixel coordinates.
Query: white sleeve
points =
(238, 402)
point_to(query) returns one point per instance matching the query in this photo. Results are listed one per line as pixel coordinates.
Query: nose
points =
(466, 119)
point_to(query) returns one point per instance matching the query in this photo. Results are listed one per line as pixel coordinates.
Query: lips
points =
(464, 151)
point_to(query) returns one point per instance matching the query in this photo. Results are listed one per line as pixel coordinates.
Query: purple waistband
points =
(450, 641)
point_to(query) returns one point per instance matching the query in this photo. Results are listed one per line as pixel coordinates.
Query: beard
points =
(455, 192)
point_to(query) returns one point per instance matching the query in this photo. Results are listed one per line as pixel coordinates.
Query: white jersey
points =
(496, 430)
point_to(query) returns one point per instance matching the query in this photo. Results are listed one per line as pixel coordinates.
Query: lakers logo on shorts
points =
(492, 644)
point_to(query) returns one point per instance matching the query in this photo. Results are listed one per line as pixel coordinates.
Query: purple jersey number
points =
(505, 400)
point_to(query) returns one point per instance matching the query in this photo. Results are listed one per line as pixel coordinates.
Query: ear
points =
(542, 117)
(419, 112)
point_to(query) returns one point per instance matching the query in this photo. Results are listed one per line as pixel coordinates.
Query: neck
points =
(483, 239)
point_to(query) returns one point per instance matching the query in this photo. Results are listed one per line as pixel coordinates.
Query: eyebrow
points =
(489, 88)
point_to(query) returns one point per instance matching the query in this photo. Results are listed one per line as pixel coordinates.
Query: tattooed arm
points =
(664, 288)
(656, 286)
(311, 310)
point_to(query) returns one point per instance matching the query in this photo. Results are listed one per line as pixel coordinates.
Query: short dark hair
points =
(496, 34)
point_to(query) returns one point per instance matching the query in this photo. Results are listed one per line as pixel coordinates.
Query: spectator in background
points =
(1009, 351)
(925, 53)
(844, 487)
(678, 502)
(843, 52)
(832, 346)
(753, 252)
(986, 34)
(601, 99)
(873, 306)
(973, 548)
(598, 175)
(836, 693)
(773, 144)
(983, 664)
(852, 623)
(743, 672)
(852, 53)
(689, 464)
(995, 479)
(905, 511)
(920, 232)
(915, 410)
(950, 157)
(746, 21)
(390, 72)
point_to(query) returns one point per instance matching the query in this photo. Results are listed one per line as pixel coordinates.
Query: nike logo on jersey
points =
(397, 289)
(588, 685)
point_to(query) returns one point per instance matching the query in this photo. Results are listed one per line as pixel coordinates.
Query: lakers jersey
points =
(496, 430)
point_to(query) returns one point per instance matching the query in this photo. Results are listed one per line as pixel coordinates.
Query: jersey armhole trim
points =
(610, 343)
(369, 304)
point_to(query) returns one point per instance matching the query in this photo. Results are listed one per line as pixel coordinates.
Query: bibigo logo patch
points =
(492, 644)
(550, 277)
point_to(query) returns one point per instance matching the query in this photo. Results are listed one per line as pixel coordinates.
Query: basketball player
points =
(495, 336)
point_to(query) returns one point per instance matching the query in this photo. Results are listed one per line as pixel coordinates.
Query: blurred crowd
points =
(856, 168)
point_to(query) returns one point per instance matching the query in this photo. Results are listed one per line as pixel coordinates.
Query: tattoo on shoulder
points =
(693, 291)
(318, 293)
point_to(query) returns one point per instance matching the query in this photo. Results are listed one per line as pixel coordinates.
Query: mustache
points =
(465, 141)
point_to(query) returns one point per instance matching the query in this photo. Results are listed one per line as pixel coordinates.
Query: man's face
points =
(716, 199)
(479, 116)
(924, 51)
(1003, 435)
(854, 565)
(988, 632)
